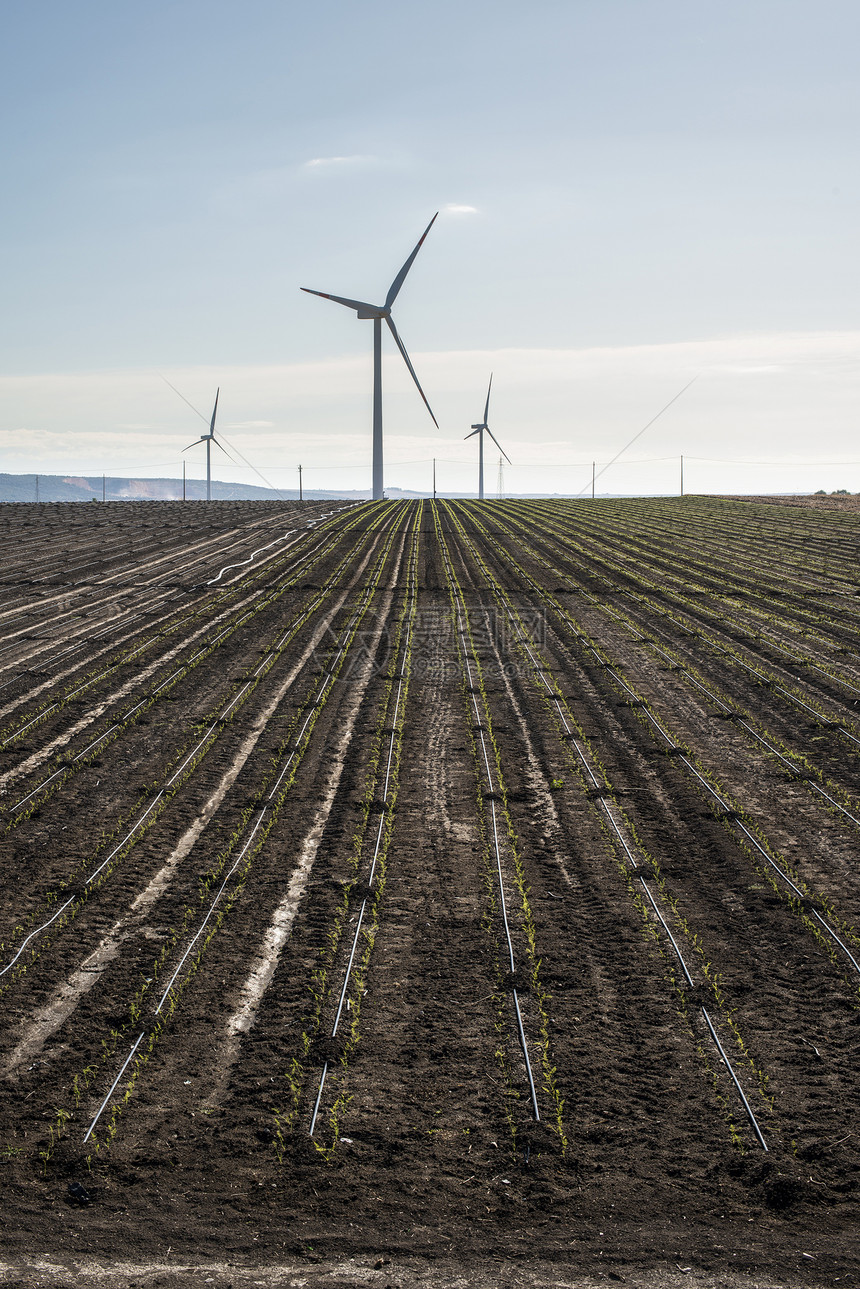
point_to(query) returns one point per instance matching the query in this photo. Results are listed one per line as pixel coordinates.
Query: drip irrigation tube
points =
(263, 811)
(328, 677)
(540, 672)
(372, 873)
(724, 805)
(199, 745)
(113, 1085)
(461, 635)
(728, 1065)
(171, 679)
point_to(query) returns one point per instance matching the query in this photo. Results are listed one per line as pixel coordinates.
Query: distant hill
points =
(57, 487)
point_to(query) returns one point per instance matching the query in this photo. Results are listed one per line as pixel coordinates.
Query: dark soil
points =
(247, 726)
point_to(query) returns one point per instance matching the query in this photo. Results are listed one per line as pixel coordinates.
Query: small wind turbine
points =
(209, 439)
(479, 430)
(377, 312)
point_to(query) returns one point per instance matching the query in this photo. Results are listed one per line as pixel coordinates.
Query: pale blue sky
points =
(653, 173)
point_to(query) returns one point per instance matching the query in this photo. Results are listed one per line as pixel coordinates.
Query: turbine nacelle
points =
(204, 438)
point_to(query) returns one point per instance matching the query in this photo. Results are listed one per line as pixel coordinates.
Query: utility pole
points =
(183, 478)
(434, 478)
(37, 488)
(103, 489)
(301, 494)
(593, 478)
(682, 475)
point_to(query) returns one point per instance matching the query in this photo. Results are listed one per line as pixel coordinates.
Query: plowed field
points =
(430, 893)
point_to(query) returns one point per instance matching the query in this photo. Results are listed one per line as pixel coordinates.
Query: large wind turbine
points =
(377, 312)
(208, 439)
(479, 430)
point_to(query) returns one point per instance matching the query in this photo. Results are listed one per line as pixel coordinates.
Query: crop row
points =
(338, 981)
(211, 610)
(66, 898)
(241, 616)
(154, 1002)
(628, 575)
(795, 762)
(641, 872)
(814, 909)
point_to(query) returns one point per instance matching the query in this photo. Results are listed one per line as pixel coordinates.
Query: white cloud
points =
(452, 209)
(322, 162)
(762, 406)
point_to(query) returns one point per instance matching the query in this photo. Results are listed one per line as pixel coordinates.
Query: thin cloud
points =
(453, 209)
(553, 408)
(324, 162)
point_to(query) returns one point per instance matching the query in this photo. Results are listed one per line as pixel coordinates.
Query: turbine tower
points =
(377, 312)
(209, 439)
(479, 430)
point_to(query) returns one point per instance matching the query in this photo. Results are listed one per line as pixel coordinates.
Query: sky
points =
(631, 194)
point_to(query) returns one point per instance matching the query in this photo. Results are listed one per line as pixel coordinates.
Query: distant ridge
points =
(58, 487)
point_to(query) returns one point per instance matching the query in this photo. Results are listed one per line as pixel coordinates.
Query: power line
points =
(204, 419)
(639, 434)
(254, 468)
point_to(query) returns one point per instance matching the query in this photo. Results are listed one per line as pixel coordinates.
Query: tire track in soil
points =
(425, 1074)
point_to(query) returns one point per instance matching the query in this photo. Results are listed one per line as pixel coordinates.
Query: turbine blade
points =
(202, 439)
(474, 432)
(340, 299)
(498, 445)
(394, 289)
(214, 413)
(487, 408)
(224, 450)
(400, 346)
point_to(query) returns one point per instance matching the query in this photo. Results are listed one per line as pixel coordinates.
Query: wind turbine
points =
(208, 439)
(479, 430)
(377, 312)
